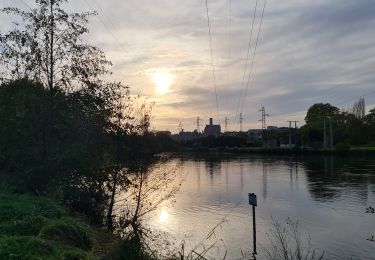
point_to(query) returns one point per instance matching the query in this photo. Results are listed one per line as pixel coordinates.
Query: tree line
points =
(69, 133)
(350, 127)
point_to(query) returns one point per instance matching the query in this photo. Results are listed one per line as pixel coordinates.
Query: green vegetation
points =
(38, 228)
(351, 127)
(34, 228)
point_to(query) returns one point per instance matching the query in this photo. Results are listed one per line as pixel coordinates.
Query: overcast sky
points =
(308, 52)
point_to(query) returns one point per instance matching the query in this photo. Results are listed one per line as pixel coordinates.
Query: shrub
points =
(29, 226)
(342, 147)
(17, 207)
(75, 254)
(287, 243)
(26, 247)
(69, 232)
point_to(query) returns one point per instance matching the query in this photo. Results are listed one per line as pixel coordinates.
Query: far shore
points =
(281, 151)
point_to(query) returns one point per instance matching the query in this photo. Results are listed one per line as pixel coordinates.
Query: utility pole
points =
(241, 121)
(331, 132)
(290, 134)
(325, 134)
(325, 141)
(180, 127)
(264, 115)
(198, 122)
(226, 122)
(264, 125)
(290, 131)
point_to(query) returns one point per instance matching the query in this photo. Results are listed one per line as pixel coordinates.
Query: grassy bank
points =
(282, 151)
(38, 228)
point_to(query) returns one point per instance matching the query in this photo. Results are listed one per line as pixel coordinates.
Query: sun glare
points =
(164, 215)
(162, 81)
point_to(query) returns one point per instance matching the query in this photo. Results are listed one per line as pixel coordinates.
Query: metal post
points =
(325, 135)
(254, 233)
(290, 134)
(331, 132)
(253, 202)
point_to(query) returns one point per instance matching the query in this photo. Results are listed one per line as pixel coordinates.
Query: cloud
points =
(308, 51)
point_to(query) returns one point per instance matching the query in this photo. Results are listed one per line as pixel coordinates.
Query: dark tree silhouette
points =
(370, 118)
(317, 111)
(48, 47)
(359, 109)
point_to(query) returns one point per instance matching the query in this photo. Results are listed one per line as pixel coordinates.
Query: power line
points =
(229, 37)
(254, 53)
(26, 4)
(103, 13)
(247, 55)
(110, 31)
(106, 27)
(212, 57)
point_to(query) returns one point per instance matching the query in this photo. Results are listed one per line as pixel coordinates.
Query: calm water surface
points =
(327, 195)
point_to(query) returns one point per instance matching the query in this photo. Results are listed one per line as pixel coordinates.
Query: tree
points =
(370, 118)
(130, 118)
(152, 183)
(47, 47)
(317, 111)
(359, 109)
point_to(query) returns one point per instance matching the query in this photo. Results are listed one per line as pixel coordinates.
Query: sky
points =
(307, 52)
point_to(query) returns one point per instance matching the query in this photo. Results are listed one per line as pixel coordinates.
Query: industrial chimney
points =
(211, 121)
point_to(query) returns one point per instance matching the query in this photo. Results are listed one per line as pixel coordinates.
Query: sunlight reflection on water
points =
(325, 195)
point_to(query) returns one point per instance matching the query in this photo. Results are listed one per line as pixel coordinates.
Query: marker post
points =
(253, 203)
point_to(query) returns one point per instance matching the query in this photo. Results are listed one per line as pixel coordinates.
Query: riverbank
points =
(39, 228)
(283, 151)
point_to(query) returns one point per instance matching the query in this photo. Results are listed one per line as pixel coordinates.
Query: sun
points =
(162, 81)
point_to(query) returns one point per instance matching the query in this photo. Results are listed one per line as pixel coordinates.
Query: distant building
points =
(185, 136)
(212, 129)
(232, 133)
(277, 129)
(254, 136)
(166, 133)
(272, 128)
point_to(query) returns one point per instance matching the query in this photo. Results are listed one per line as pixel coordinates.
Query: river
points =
(328, 196)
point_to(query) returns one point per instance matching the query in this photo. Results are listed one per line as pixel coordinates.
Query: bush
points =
(129, 249)
(29, 226)
(342, 147)
(288, 243)
(26, 247)
(18, 207)
(37, 228)
(69, 232)
(75, 254)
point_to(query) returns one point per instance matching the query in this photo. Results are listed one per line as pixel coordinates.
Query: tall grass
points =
(288, 243)
(38, 228)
